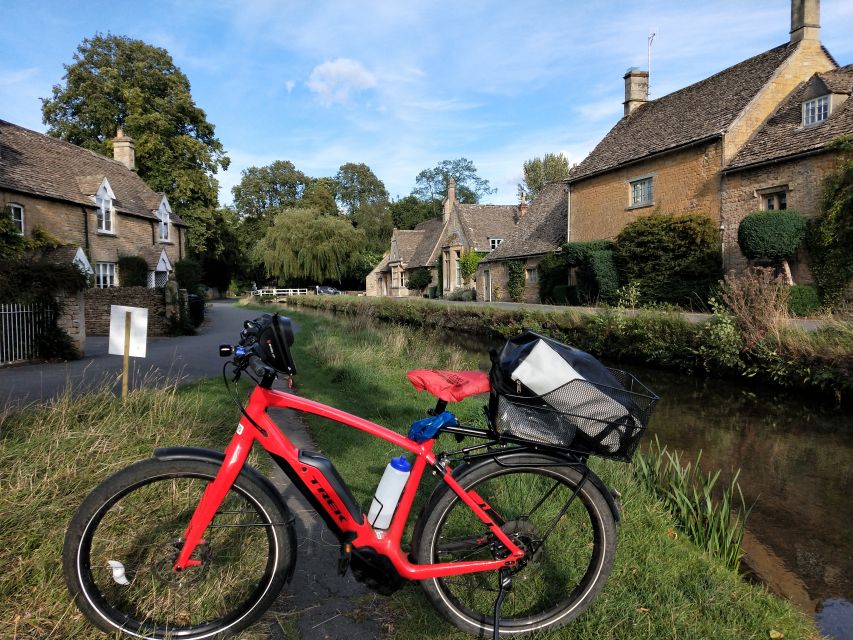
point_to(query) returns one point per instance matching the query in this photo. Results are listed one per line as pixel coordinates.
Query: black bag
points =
(548, 392)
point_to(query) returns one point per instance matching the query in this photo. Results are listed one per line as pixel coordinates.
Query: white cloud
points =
(289, 85)
(335, 80)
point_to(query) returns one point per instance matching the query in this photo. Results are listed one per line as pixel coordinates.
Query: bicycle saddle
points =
(450, 386)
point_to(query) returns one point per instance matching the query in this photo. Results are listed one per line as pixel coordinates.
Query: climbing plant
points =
(468, 262)
(515, 280)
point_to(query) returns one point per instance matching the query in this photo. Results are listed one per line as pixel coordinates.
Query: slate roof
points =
(404, 243)
(423, 255)
(39, 165)
(698, 112)
(483, 221)
(541, 230)
(783, 134)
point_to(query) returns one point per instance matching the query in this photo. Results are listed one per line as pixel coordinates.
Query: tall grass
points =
(712, 516)
(52, 455)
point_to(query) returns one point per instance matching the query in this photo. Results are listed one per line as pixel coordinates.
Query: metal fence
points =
(21, 325)
(269, 292)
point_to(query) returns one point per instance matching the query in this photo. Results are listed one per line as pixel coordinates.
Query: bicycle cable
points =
(235, 396)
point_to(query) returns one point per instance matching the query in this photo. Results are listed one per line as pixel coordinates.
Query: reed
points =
(710, 514)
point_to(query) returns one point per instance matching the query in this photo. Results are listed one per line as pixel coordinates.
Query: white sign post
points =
(128, 333)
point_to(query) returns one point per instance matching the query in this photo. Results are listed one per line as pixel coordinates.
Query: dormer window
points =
(164, 215)
(106, 211)
(815, 111)
(494, 243)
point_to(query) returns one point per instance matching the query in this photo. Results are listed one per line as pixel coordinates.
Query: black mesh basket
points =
(603, 420)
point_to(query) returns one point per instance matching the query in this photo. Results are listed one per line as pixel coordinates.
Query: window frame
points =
(531, 274)
(494, 243)
(19, 223)
(105, 211)
(106, 275)
(635, 189)
(777, 196)
(816, 110)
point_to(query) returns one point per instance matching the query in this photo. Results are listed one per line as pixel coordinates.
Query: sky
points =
(401, 85)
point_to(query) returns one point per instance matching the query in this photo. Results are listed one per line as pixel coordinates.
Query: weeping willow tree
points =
(301, 244)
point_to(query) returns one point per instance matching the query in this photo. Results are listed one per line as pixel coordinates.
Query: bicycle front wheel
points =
(122, 543)
(565, 526)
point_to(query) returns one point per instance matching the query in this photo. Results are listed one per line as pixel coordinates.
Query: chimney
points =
(124, 150)
(450, 200)
(522, 208)
(805, 20)
(636, 89)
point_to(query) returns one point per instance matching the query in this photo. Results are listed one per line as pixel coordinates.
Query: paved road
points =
(185, 358)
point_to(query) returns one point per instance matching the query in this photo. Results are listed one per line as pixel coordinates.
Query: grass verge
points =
(662, 585)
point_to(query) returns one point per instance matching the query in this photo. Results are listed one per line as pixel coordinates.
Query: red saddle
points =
(450, 386)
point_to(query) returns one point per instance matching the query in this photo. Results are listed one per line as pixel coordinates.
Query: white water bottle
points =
(388, 492)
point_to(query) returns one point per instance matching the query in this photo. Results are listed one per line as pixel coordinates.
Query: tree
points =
(540, 171)
(431, 184)
(277, 186)
(375, 221)
(358, 186)
(772, 236)
(115, 82)
(419, 279)
(302, 244)
(409, 212)
(320, 196)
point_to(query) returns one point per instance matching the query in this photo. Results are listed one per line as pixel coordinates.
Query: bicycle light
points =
(225, 350)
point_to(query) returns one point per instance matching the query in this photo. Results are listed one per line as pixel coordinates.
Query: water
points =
(796, 462)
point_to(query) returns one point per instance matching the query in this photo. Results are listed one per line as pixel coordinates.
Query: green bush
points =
(553, 273)
(673, 259)
(133, 271)
(595, 271)
(803, 300)
(188, 273)
(771, 235)
(561, 294)
(419, 278)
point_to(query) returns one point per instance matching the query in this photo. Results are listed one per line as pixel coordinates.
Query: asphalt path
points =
(182, 359)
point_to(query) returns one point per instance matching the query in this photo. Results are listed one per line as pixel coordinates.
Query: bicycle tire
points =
(136, 518)
(564, 575)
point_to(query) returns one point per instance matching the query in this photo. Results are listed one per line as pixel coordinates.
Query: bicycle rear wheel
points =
(122, 543)
(571, 545)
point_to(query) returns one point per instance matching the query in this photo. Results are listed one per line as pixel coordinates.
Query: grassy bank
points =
(817, 361)
(662, 586)
(51, 456)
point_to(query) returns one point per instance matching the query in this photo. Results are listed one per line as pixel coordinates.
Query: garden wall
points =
(99, 301)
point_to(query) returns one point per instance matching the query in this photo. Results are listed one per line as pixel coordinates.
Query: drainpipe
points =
(86, 232)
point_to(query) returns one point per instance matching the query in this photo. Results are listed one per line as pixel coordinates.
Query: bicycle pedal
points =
(344, 558)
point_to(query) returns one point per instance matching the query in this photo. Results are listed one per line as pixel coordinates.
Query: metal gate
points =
(21, 325)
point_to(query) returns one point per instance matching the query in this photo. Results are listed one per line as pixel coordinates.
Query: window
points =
(105, 275)
(532, 276)
(815, 111)
(494, 243)
(641, 192)
(105, 214)
(458, 273)
(776, 201)
(17, 217)
(164, 214)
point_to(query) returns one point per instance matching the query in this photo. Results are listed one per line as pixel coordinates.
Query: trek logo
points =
(335, 509)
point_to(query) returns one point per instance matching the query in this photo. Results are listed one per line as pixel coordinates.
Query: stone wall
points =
(686, 181)
(499, 276)
(98, 302)
(803, 180)
(69, 223)
(72, 319)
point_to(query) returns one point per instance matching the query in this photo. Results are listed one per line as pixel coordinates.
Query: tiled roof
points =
(783, 134)
(404, 243)
(483, 221)
(423, 255)
(698, 112)
(39, 165)
(541, 230)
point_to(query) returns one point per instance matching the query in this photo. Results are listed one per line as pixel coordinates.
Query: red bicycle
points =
(518, 536)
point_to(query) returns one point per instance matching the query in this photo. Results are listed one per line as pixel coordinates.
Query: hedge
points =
(771, 235)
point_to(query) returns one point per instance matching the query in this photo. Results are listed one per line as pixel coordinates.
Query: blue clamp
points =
(423, 430)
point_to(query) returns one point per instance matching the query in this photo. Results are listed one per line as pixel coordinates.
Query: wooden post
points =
(125, 367)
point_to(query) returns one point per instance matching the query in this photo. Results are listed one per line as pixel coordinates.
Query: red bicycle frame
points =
(362, 534)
